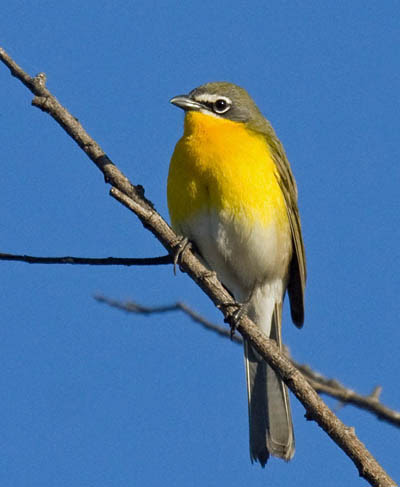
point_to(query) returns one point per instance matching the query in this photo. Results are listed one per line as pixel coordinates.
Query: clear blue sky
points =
(94, 397)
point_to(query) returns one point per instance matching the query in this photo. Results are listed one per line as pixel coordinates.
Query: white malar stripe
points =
(204, 111)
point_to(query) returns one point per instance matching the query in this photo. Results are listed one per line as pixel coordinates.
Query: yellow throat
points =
(221, 165)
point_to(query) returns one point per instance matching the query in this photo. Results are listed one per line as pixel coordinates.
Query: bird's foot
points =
(240, 309)
(180, 248)
(234, 317)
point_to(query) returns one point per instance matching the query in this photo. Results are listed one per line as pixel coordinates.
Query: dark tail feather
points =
(270, 422)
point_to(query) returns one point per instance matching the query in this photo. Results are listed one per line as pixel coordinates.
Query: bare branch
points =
(165, 259)
(132, 307)
(320, 383)
(333, 388)
(48, 103)
(133, 198)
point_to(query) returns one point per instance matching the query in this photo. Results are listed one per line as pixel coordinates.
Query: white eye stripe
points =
(210, 98)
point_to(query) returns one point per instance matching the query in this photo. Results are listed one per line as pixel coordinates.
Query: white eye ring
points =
(221, 105)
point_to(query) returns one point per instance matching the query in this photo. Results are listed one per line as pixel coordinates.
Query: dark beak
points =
(186, 103)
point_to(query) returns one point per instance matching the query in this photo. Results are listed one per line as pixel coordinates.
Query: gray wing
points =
(297, 270)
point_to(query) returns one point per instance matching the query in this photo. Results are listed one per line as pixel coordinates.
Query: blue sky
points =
(92, 396)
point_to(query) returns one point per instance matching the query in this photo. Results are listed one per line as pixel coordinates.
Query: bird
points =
(232, 193)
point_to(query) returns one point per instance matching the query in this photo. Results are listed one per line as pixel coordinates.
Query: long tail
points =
(270, 421)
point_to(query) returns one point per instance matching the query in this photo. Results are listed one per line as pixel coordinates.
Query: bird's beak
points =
(186, 103)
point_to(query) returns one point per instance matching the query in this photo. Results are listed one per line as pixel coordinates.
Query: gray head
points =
(224, 100)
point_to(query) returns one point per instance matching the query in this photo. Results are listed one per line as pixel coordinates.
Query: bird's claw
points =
(182, 245)
(235, 316)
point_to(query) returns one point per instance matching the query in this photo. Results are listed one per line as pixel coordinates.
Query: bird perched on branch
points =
(231, 191)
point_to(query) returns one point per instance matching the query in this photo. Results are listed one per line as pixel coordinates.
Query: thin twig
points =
(133, 198)
(132, 307)
(29, 259)
(320, 383)
(335, 389)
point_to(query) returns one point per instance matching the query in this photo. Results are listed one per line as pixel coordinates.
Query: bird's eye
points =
(221, 105)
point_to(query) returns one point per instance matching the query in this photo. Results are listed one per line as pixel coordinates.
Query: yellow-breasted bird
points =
(231, 191)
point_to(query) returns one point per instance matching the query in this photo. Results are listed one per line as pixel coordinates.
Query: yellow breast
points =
(221, 165)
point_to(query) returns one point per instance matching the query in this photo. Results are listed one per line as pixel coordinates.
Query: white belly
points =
(245, 258)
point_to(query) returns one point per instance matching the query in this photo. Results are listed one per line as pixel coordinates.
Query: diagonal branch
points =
(29, 259)
(320, 383)
(133, 198)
